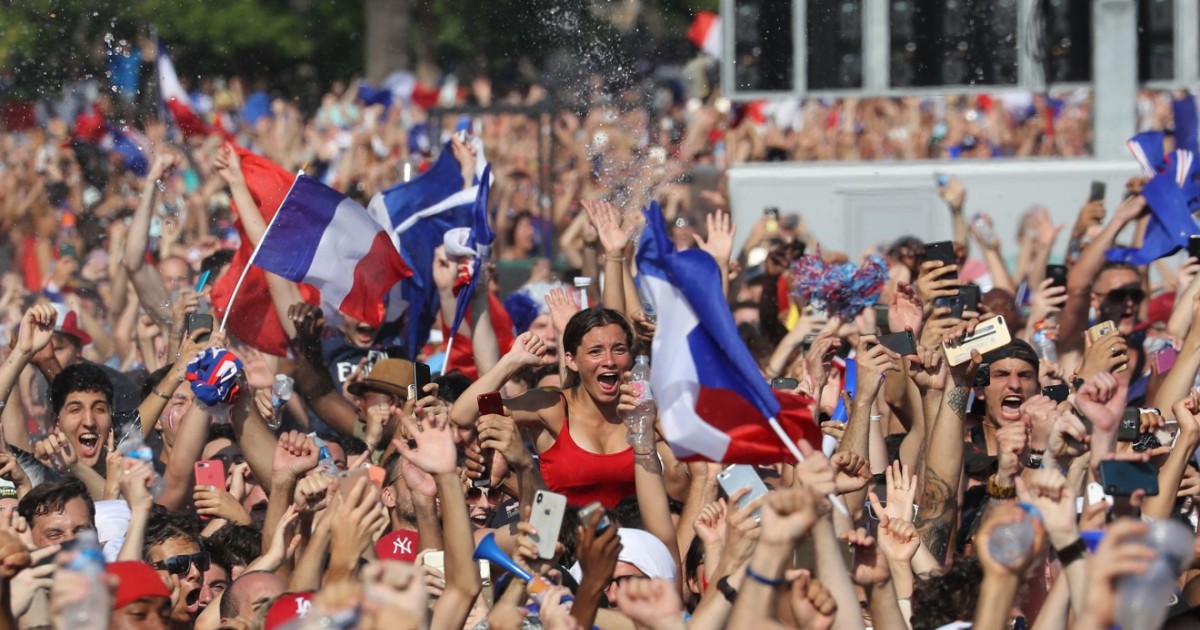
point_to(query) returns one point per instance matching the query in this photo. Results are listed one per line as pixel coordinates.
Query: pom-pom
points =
(214, 376)
(842, 290)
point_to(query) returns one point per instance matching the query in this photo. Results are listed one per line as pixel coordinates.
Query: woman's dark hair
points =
(943, 599)
(691, 569)
(511, 235)
(581, 324)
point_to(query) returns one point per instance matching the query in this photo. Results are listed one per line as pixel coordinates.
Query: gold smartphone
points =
(989, 335)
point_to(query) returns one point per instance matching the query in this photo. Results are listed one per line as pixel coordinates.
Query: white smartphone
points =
(435, 559)
(546, 518)
(738, 476)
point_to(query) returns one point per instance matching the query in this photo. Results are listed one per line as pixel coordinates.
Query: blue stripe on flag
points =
(292, 242)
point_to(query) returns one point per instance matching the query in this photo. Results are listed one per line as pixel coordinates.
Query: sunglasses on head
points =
(178, 565)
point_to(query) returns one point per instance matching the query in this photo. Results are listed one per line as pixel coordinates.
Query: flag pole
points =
(250, 263)
(449, 345)
(787, 441)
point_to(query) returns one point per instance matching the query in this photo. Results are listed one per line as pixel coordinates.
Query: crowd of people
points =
(984, 492)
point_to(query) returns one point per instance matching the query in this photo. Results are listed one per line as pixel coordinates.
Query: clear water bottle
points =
(640, 421)
(1011, 542)
(133, 447)
(91, 607)
(325, 463)
(1142, 599)
(1044, 343)
(983, 228)
(281, 392)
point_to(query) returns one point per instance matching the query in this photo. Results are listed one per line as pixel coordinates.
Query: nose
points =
(1012, 383)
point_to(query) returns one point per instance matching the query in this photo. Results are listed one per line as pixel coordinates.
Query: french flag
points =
(176, 99)
(713, 402)
(323, 238)
(705, 33)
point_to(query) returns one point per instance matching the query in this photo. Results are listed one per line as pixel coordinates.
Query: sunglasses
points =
(178, 565)
(493, 494)
(1119, 296)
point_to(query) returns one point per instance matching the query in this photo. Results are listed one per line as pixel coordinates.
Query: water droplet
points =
(158, 182)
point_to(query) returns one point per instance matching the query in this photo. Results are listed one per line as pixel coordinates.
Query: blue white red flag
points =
(419, 213)
(712, 399)
(323, 238)
(480, 240)
(130, 145)
(1173, 194)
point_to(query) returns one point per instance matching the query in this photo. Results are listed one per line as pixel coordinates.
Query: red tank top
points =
(584, 476)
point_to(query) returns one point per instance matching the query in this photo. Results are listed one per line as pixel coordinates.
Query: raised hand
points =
(1002, 514)
(563, 304)
(186, 302)
(1106, 354)
(953, 193)
(870, 565)
(614, 232)
(500, 434)
(812, 603)
(1049, 492)
(359, 519)
(1011, 442)
(853, 473)
(528, 350)
(904, 309)
(651, 603)
(434, 452)
(309, 322)
(314, 492)
(597, 552)
(710, 525)
(37, 327)
(901, 491)
(720, 237)
(1068, 437)
(1123, 551)
(1048, 299)
(217, 503)
(10, 469)
(229, 165)
(135, 484)
(897, 539)
(788, 515)
(393, 590)
(1101, 401)
(936, 282)
(295, 455)
(55, 452)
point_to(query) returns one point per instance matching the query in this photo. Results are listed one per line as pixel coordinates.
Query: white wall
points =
(850, 207)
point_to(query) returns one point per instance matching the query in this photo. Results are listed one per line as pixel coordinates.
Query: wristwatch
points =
(728, 591)
(997, 491)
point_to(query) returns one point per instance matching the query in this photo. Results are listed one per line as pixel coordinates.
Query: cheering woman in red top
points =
(580, 438)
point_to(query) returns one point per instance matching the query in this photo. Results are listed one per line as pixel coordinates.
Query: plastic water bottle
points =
(983, 228)
(640, 421)
(325, 463)
(1043, 340)
(91, 608)
(281, 392)
(1142, 599)
(582, 283)
(133, 447)
(1011, 542)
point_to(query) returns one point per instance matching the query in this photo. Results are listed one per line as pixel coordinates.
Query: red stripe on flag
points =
(374, 276)
(751, 439)
(188, 121)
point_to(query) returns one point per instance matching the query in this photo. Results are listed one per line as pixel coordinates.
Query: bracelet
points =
(727, 589)
(1072, 552)
(615, 258)
(161, 395)
(875, 418)
(764, 580)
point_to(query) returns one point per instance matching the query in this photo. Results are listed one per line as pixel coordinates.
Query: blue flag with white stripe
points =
(480, 240)
(420, 212)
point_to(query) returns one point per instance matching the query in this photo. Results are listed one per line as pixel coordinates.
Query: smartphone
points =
(1099, 330)
(435, 559)
(210, 472)
(968, 298)
(421, 377)
(902, 343)
(1164, 359)
(488, 403)
(204, 276)
(377, 474)
(881, 318)
(1057, 393)
(782, 382)
(1194, 246)
(941, 250)
(586, 512)
(546, 518)
(738, 476)
(198, 321)
(1121, 479)
(1057, 275)
(988, 336)
(1097, 193)
(808, 341)
(348, 479)
(1131, 423)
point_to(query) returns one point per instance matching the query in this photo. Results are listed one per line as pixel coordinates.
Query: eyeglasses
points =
(179, 565)
(494, 495)
(621, 579)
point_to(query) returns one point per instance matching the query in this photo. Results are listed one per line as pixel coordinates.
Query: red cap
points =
(398, 545)
(67, 323)
(287, 607)
(138, 581)
(1160, 307)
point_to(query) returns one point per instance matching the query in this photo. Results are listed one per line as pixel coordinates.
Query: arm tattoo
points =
(938, 511)
(956, 398)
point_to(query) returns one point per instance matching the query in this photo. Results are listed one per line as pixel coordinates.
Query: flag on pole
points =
(705, 33)
(1172, 193)
(254, 319)
(480, 240)
(176, 99)
(713, 401)
(419, 213)
(130, 145)
(324, 238)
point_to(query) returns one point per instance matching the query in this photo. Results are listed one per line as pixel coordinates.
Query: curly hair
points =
(938, 600)
(81, 377)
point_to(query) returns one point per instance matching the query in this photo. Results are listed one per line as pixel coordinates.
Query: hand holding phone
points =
(546, 518)
(1122, 479)
(489, 403)
(210, 472)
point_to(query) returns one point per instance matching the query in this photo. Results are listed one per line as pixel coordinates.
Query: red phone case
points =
(490, 403)
(210, 472)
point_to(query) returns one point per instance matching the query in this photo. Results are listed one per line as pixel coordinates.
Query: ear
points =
(389, 500)
(570, 362)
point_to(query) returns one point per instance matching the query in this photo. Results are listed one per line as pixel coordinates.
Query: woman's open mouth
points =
(610, 382)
